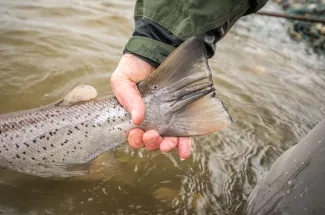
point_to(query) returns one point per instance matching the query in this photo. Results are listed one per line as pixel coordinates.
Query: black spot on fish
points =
(50, 133)
(82, 123)
(94, 126)
(47, 115)
(17, 135)
(113, 120)
(48, 138)
(78, 142)
(24, 153)
(80, 147)
(76, 127)
(65, 141)
(33, 158)
(75, 147)
(17, 156)
(52, 145)
(17, 146)
(52, 115)
(26, 144)
(44, 148)
(86, 135)
(13, 126)
(10, 138)
(24, 158)
(62, 144)
(86, 126)
(88, 114)
(44, 158)
(34, 140)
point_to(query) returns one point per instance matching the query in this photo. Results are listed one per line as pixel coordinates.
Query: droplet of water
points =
(289, 182)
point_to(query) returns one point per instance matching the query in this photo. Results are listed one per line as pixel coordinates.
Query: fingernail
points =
(182, 159)
(133, 113)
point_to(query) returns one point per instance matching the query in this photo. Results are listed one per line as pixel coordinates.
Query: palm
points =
(130, 71)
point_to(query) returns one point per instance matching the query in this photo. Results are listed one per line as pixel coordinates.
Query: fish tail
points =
(184, 84)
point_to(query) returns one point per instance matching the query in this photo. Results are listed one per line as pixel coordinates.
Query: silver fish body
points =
(70, 135)
(60, 140)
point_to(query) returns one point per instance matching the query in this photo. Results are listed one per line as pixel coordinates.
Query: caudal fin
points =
(184, 87)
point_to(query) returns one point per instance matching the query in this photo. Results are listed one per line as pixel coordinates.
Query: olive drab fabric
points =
(161, 26)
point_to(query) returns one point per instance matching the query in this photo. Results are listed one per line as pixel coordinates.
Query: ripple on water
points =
(272, 88)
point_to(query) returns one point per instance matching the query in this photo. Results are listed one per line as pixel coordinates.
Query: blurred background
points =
(270, 73)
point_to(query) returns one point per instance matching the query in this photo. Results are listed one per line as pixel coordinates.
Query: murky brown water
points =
(273, 88)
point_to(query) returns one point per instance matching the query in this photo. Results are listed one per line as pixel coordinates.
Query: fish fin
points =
(80, 93)
(183, 85)
(204, 116)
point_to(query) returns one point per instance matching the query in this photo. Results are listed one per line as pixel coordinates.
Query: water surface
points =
(272, 86)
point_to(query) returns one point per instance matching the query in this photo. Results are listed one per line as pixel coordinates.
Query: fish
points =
(61, 139)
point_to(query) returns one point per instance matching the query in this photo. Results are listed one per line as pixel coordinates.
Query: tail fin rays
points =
(183, 83)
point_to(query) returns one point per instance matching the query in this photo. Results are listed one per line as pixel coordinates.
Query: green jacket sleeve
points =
(161, 26)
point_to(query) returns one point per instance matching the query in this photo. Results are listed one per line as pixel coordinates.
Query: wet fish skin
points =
(70, 135)
(62, 139)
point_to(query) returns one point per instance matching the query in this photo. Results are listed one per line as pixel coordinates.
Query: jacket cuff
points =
(152, 51)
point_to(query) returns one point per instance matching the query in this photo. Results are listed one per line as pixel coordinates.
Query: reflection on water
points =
(272, 87)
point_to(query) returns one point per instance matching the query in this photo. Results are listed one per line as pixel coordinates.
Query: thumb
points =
(129, 97)
(130, 71)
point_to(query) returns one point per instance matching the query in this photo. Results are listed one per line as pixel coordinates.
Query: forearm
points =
(161, 26)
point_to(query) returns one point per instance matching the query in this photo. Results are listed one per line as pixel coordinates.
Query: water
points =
(272, 86)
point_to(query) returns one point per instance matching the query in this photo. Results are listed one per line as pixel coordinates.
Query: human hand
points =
(130, 71)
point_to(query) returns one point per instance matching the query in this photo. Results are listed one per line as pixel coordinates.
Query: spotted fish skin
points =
(70, 135)
(60, 139)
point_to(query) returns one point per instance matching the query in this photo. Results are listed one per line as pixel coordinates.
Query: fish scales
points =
(63, 134)
(63, 138)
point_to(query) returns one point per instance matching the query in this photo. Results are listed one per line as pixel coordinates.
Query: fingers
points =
(129, 97)
(130, 71)
(152, 140)
(168, 144)
(184, 147)
(135, 138)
